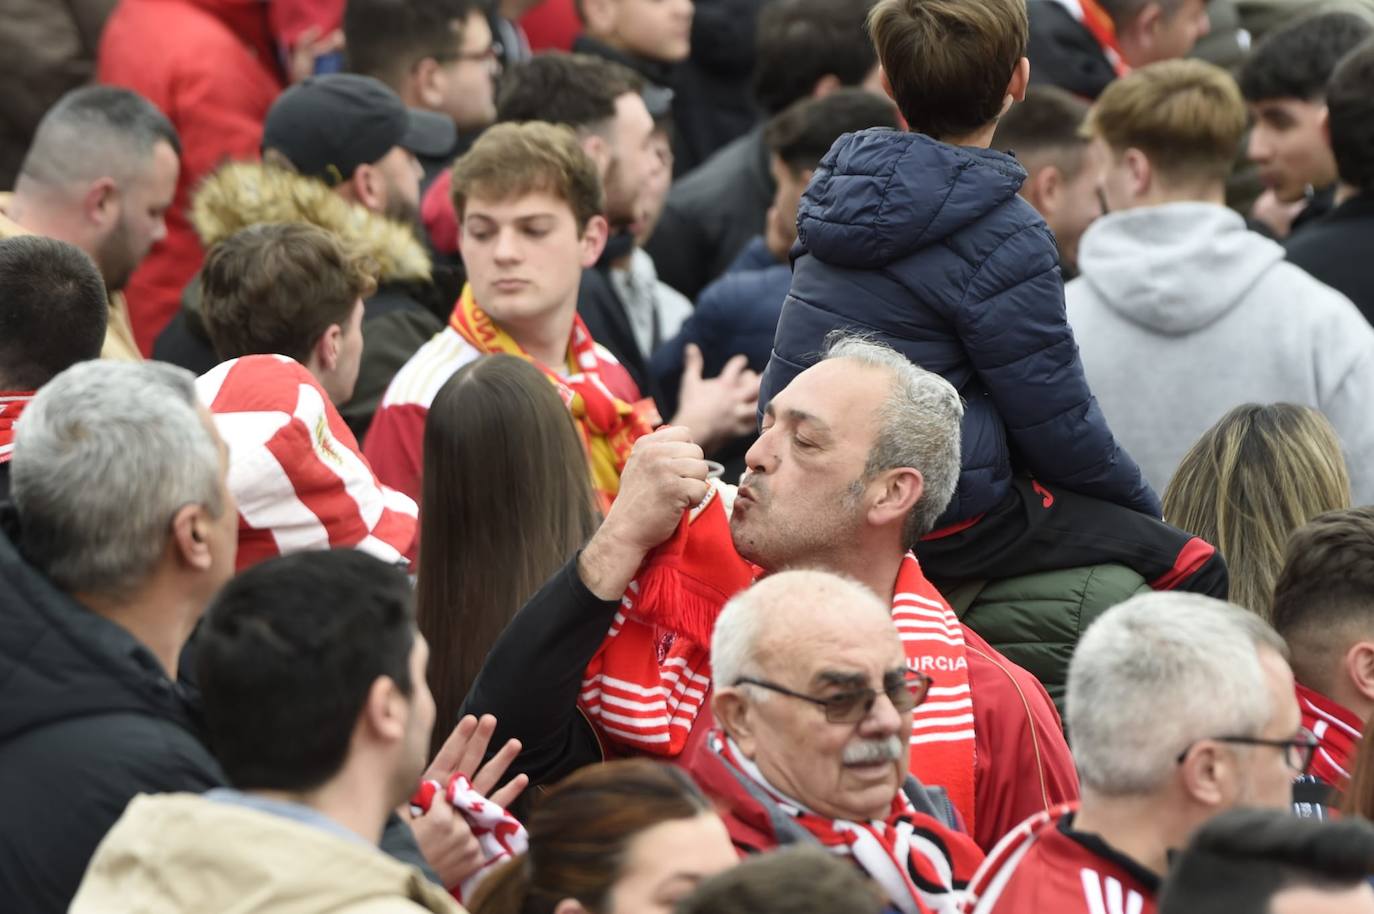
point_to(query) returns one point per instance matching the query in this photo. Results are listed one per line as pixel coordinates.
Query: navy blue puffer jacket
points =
(927, 247)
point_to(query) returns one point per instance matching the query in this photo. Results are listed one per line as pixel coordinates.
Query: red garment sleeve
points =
(1023, 762)
(395, 446)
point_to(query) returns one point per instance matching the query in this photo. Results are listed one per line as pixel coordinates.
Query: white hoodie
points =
(1182, 313)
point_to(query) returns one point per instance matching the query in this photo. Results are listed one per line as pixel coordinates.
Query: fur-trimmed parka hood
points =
(241, 194)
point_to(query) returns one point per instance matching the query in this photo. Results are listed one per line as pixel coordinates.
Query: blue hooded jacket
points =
(926, 247)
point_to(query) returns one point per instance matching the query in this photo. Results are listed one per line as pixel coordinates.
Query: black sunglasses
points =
(854, 705)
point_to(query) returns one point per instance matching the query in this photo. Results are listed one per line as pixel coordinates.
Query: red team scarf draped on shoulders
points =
(609, 426)
(922, 865)
(650, 680)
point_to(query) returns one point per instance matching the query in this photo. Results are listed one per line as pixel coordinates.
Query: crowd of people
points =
(638, 456)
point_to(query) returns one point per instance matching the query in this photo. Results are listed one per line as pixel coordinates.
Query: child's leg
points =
(1043, 528)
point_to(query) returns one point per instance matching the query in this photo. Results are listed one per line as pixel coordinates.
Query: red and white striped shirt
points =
(295, 469)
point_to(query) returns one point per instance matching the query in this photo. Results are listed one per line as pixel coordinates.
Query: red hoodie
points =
(212, 67)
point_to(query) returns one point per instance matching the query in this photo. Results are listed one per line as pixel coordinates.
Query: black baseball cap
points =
(327, 126)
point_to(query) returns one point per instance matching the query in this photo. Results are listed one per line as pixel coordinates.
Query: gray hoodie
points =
(1182, 313)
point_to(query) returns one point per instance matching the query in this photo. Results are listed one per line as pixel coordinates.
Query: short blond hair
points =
(1187, 116)
(511, 160)
(949, 61)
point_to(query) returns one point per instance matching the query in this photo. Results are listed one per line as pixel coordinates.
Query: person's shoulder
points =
(701, 187)
(420, 378)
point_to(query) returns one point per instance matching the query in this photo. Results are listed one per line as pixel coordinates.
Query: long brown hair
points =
(1249, 482)
(506, 500)
(579, 834)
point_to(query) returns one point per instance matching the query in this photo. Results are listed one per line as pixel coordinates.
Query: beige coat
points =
(119, 335)
(180, 853)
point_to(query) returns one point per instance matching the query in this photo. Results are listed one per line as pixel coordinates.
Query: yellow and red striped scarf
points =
(609, 426)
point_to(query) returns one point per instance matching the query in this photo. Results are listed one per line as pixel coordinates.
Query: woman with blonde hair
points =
(1250, 481)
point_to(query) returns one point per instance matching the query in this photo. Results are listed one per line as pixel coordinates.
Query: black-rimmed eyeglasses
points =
(853, 705)
(1298, 751)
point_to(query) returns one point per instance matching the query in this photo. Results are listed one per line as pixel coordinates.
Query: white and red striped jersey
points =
(295, 469)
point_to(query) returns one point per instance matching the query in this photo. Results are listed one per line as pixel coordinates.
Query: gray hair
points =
(104, 457)
(918, 427)
(1154, 675)
(743, 622)
(95, 132)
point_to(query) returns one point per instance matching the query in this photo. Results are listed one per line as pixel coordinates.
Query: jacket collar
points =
(241, 194)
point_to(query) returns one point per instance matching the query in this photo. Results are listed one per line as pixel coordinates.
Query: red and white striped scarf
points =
(650, 679)
(499, 834)
(12, 403)
(1339, 732)
(922, 865)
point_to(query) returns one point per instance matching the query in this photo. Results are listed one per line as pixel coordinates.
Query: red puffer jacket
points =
(212, 67)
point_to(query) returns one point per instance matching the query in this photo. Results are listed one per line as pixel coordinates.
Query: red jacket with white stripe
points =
(1046, 866)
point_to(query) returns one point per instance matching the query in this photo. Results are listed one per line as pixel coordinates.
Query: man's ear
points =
(326, 351)
(423, 80)
(594, 238)
(570, 906)
(100, 203)
(599, 16)
(1146, 23)
(826, 85)
(735, 716)
(897, 493)
(1208, 774)
(1142, 171)
(366, 185)
(1017, 85)
(385, 711)
(1043, 190)
(1359, 668)
(595, 145)
(1324, 119)
(190, 537)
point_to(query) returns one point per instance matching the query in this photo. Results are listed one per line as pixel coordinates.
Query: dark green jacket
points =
(1036, 620)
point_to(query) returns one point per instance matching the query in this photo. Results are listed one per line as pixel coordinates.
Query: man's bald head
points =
(788, 610)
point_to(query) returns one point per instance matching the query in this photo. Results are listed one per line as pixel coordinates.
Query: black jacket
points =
(1335, 249)
(533, 674)
(1064, 53)
(88, 719)
(601, 309)
(712, 214)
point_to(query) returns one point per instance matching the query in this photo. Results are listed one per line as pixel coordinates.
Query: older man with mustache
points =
(814, 699)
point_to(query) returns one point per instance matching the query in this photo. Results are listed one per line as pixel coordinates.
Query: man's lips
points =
(510, 285)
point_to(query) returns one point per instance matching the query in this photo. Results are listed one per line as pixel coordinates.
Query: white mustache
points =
(872, 751)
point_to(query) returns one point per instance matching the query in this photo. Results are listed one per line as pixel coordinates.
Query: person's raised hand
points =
(720, 408)
(666, 474)
(462, 753)
(443, 836)
(309, 48)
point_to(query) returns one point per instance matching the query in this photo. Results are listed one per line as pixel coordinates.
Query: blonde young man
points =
(1181, 312)
(529, 203)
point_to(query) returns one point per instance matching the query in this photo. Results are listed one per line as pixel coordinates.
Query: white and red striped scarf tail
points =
(645, 689)
(943, 744)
